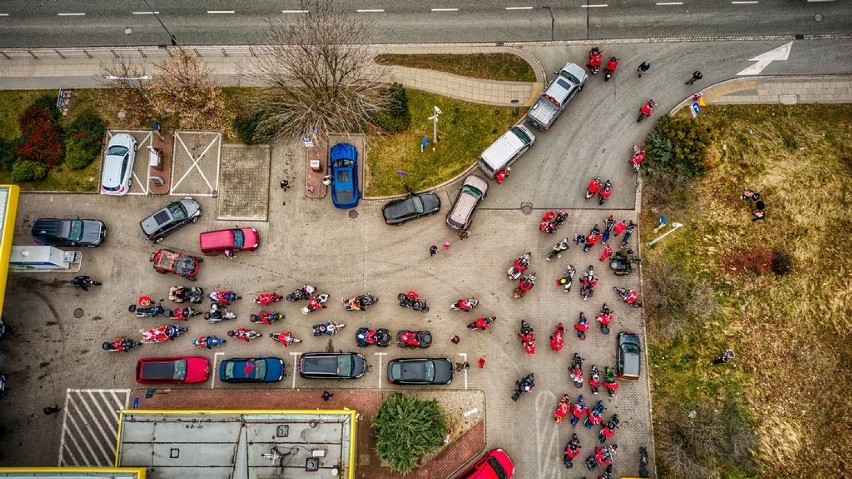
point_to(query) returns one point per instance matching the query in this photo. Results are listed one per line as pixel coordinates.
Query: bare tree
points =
(125, 78)
(320, 68)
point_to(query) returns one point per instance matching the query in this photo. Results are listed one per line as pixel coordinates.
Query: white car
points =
(118, 165)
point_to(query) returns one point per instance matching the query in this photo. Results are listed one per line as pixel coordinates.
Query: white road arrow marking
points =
(763, 60)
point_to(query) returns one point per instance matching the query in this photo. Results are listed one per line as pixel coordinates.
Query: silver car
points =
(118, 165)
(472, 192)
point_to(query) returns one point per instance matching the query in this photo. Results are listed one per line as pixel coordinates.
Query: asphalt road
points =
(66, 23)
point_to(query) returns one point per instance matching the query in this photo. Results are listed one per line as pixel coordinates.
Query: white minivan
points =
(506, 149)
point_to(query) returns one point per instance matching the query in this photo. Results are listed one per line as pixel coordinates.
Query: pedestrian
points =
(432, 250)
(620, 227)
(724, 357)
(502, 174)
(696, 75)
(607, 253)
(462, 366)
(455, 339)
(643, 67)
(51, 410)
(749, 195)
(463, 233)
(285, 184)
(608, 224)
(326, 395)
(579, 238)
(446, 245)
(758, 212)
(481, 362)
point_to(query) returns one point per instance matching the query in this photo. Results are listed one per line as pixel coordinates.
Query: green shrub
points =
(395, 117)
(77, 156)
(408, 428)
(84, 140)
(678, 146)
(247, 127)
(28, 170)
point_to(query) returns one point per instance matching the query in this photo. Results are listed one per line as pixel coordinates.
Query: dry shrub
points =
(674, 299)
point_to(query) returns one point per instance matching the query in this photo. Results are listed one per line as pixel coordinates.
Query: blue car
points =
(344, 176)
(252, 370)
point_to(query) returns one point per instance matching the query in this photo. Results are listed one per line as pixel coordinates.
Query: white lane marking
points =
(519, 8)
(665, 4)
(600, 5)
(445, 9)
(146, 13)
(376, 10)
(546, 434)
(464, 360)
(294, 11)
(216, 12)
(215, 372)
(4, 14)
(744, 2)
(763, 60)
(819, 1)
(380, 367)
(71, 14)
(295, 362)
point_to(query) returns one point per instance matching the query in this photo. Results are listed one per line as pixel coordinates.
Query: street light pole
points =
(675, 226)
(434, 119)
(171, 37)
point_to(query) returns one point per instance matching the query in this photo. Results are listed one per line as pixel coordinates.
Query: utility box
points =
(316, 166)
(44, 258)
(155, 158)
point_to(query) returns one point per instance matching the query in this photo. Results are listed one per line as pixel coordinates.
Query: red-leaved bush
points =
(42, 142)
(756, 259)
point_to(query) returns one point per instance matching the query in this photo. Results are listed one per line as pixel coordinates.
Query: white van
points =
(506, 150)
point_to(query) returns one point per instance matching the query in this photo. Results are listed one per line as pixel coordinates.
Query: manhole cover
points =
(353, 214)
(818, 17)
(526, 208)
(78, 313)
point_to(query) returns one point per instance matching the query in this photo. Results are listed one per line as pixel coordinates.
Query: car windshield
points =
(76, 233)
(430, 370)
(177, 211)
(116, 150)
(631, 348)
(180, 370)
(239, 239)
(472, 191)
(342, 162)
(522, 135)
(417, 203)
(567, 86)
(497, 467)
(344, 364)
(570, 78)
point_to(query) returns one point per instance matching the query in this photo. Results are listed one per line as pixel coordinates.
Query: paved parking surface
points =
(195, 167)
(244, 191)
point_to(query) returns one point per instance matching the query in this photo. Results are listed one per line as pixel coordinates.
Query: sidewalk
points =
(786, 90)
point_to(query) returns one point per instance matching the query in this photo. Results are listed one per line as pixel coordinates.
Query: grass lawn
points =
(464, 131)
(790, 333)
(488, 66)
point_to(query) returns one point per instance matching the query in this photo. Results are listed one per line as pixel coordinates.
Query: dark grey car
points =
(165, 221)
(332, 365)
(420, 371)
(627, 356)
(76, 232)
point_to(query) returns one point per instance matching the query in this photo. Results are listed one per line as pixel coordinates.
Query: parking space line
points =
(295, 361)
(215, 360)
(217, 138)
(464, 360)
(380, 367)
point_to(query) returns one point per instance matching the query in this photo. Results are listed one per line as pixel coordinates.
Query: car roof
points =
(244, 368)
(465, 203)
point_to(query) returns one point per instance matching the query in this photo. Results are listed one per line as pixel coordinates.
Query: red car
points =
(228, 242)
(182, 370)
(494, 465)
(168, 261)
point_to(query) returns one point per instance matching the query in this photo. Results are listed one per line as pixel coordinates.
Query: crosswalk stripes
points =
(90, 426)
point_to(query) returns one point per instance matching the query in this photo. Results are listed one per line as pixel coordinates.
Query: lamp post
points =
(675, 226)
(434, 119)
(171, 37)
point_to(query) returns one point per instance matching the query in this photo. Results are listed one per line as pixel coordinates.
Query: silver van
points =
(506, 149)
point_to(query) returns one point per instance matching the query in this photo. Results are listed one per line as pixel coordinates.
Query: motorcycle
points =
(315, 303)
(413, 339)
(224, 296)
(595, 60)
(646, 110)
(557, 339)
(208, 342)
(605, 318)
(148, 311)
(521, 264)
(265, 299)
(593, 238)
(582, 326)
(524, 385)
(527, 283)
(557, 250)
(624, 262)
(605, 192)
(643, 462)
(218, 314)
(365, 337)
(562, 409)
(328, 328)
(360, 302)
(629, 296)
(84, 282)
(593, 187)
(603, 456)
(411, 300)
(610, 67)
(572, 450)
(609, 381)
(161, 333)
(595, 415)
(567, 280)
(577, 371)
(552, 220)
(578, 410)
(286, 338)
(609, 430)
(243, 334)
(464, 305)
(638, 158)
(607, 474)
(627, 232)
(594, 379)
(527, 337)
(182, 314)
(304, 292)
(590, 280)
(179, 294)
(266, 317)
(120, 344)
(482, 323)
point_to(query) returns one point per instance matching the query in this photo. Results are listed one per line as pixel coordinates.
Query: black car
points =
(76, 232)
(332, 366)
(411, 207)
(627, 356)
(420, 371)
(166, 220)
